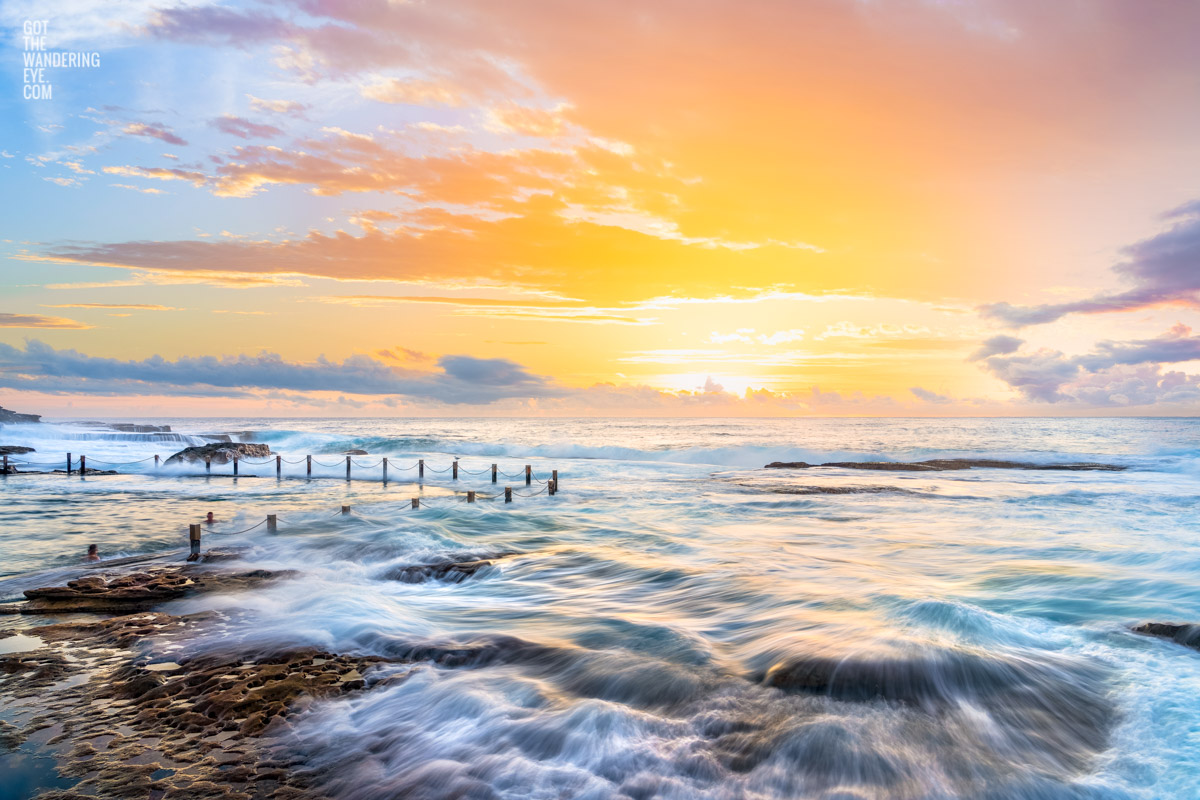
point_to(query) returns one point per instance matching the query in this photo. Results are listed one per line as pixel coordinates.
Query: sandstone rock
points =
(137, 591)
(220, 452)
(355, 453)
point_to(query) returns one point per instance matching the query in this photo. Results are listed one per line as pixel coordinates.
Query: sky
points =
(598, 207)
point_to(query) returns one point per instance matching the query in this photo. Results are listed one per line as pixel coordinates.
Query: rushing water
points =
(955, 634)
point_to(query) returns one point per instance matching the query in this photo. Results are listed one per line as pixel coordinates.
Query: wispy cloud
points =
(38, 321)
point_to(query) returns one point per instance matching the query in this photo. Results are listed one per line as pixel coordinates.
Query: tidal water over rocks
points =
(676, 622)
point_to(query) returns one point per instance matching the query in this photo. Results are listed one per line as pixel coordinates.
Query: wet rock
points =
(127, 427)
(220, 452)
(15, 450)
(1064, 705)
(1186, 635)
(8, 417)
(136, 591)
(947, 464)
(355, 453)
(448, 571)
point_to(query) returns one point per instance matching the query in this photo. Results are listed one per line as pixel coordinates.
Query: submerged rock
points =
(454, 570)
(220, 452)
(128, 427)
(947, 464)
(355, 453)
(1186, 635)
(15, 450)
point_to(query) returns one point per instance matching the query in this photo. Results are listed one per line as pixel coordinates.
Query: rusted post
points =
(278, 466)
(68, 463)
(385, 469)
(309, 458)
(235, 465)
(508, 494)
(272, 523)
(6, 463)
(470, 497)
(420, 468)
(345, 509)
(528, 474)
(194, 542)
(493, 473)
(456, 469)
(416, 503)
(208, 463)
(551, 486)
(82, 465)
(554, 477)
(347, 467)
(156, 460)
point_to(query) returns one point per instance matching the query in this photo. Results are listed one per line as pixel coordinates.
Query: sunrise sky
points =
(835, 207)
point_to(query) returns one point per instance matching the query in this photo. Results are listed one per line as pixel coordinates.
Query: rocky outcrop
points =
(126, 427)
(15, 450)
(220, 452)
(1186, 635)
(355, 453)
(452, 570)
(947, 464)
(7, 416)
(138, 591)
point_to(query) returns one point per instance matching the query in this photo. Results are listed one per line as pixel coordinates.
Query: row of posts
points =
(552, 484)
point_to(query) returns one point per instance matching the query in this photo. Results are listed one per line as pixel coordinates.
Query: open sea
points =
(678, 621)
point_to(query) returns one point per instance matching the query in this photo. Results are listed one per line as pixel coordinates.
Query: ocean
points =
(677, 621)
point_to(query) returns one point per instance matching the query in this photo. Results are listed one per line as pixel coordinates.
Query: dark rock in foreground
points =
(7, 416)
(947, 464)
(220, 452)
(15, 450)
(1186, 635)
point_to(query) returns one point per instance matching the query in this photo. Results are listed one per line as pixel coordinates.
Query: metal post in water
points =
(345, 509)
(235, 465)
(456, 469)
(309, 459)
(68, 463)
(272, 523)
(470, 497)
(416, 502)
(554, 477)
(420, 468)
(156, 460)
(208, 463)
(194, 542)
(278, 466)
(551, 486)
(82, 465)
(528, 474)
(6, 463)
(385, 469)
(493, 473)
(508, 494)
(347, 467)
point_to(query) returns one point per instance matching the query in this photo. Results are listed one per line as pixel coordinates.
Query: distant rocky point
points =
(946, 464)
(220, 452)
(9, 417)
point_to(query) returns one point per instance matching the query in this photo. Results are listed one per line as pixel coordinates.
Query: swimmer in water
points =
(93, 553)
(210, 519)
